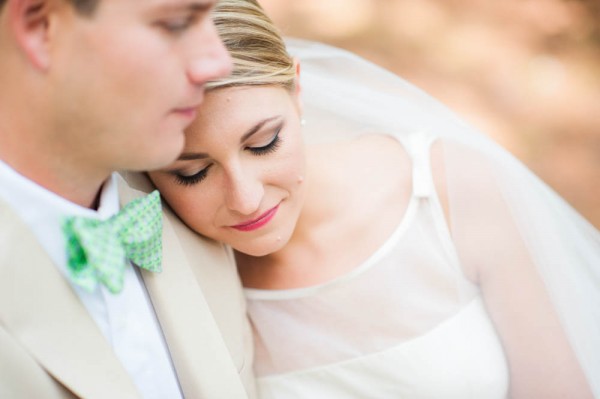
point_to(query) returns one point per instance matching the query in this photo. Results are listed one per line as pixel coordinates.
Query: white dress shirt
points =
(127, 319)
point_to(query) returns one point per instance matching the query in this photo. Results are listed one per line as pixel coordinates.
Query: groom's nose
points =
(210, 60)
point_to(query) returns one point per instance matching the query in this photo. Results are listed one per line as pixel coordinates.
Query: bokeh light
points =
(525, 72)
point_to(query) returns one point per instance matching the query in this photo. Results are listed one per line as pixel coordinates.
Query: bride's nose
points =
(244, 192)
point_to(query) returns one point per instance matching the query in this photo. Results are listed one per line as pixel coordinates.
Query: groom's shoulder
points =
(211, 262)
(132, 185)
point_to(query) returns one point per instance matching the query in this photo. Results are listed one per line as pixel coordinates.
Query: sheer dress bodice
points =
(406, 323)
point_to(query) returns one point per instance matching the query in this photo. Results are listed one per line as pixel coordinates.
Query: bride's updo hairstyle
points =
(256, 47)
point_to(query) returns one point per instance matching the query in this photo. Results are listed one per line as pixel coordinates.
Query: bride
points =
(387, 249)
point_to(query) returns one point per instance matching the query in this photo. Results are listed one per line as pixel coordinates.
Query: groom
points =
(88, 87)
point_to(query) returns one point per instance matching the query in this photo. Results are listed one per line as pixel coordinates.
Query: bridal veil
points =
(509, 217)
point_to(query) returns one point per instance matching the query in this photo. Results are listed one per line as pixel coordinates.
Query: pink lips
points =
(187, 112)
(258, 222)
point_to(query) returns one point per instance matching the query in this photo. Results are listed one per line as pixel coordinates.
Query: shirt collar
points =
(44, 211)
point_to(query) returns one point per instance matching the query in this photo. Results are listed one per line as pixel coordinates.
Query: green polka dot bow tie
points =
(98, 251)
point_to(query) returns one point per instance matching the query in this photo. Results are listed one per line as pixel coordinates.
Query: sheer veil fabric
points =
(501, 215)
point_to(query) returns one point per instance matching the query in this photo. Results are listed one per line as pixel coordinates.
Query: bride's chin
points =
(261, 249)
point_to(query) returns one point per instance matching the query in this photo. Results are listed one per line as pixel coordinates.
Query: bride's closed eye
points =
(189, 180)
(270, 147)
(186, 179)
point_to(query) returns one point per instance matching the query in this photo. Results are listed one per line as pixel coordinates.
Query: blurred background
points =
(525, 72)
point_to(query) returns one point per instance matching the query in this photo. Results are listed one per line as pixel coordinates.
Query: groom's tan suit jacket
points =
(51, 348)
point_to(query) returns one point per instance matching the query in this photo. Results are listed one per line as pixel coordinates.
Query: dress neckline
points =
(292, 293)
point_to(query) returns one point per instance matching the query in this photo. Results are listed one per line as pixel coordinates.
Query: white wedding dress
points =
(404, 324)
(407, 323)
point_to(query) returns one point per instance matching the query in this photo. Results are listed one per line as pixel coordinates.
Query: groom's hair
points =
(83, 7)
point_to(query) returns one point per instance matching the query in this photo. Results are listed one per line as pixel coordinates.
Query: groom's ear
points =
(29, 24)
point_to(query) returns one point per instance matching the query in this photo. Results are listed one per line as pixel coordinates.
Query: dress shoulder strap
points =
(417, 146)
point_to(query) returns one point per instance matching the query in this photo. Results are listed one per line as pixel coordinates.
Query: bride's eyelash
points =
(269, 148)
(193, 179)
(201, 175)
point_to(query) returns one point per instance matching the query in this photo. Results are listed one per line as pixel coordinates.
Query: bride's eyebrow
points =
(257, 127)
(193, 156)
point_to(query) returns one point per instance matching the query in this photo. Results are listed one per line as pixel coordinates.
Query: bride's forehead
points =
(228, 113)
(231, 105)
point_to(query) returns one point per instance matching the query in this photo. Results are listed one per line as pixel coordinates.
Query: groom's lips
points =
(189, 113)
(258, 222)
(190, 109)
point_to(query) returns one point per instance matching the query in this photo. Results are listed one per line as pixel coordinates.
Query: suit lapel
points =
(40, 309)
(200, 356)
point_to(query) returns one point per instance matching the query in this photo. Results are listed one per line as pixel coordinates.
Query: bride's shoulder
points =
(379, 151)
(365, 160)
(374, 165)
(384, 159)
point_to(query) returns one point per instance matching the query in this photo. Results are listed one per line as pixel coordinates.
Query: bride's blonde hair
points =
(256, 47)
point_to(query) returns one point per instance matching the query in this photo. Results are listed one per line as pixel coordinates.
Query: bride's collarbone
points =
(361, 195)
